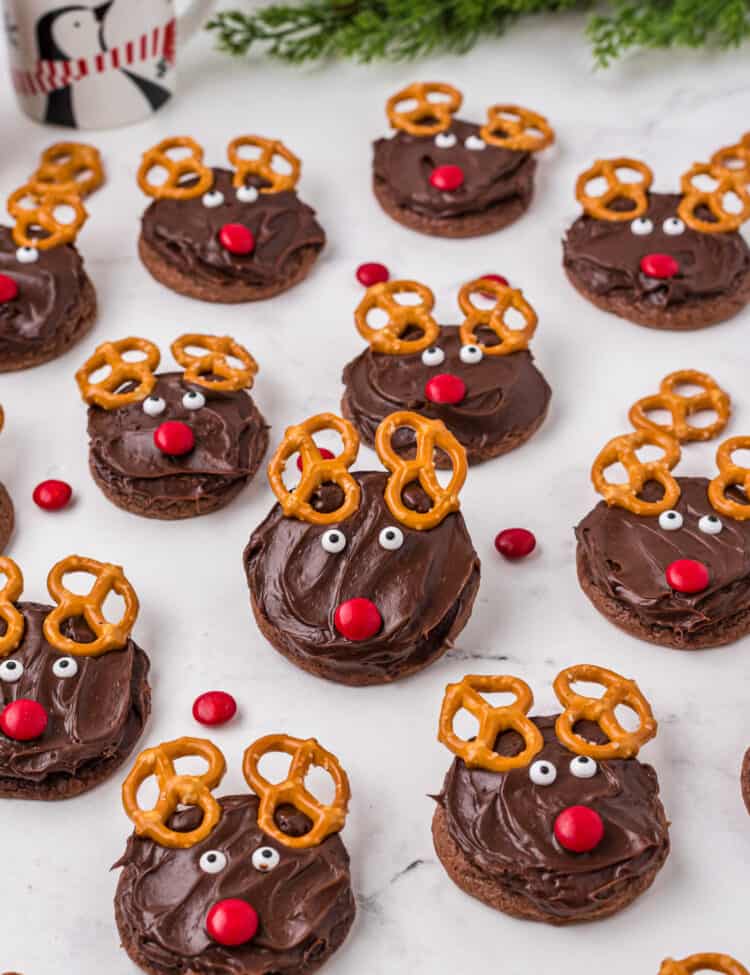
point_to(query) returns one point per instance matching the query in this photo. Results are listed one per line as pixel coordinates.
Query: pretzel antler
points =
(326, 819)
(69, 167)
(215, 362)
(262, 165)
(34, 212)
(105, 392)
(517, 128)
(735, 159)
(427, 117)
(706, 962)
(712, 397)
(730, 474)
(162, 156)
(401, 317)
(729, 184)
(624, 449)
(599, 207)
(511, 339)
(13, 617)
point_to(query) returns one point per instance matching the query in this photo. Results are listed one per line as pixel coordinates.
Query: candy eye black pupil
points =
(544, 769)
(211, 858)
(390, 536)
(267, 854)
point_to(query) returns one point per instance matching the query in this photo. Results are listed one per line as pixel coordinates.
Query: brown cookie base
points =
(7, 518)
(220, 291)
(745, 779)
(64, 785)
(688, 317)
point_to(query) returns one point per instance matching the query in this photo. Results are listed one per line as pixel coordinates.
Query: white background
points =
(530, 619)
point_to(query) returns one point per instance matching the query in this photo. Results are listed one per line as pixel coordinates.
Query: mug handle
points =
(191, 20)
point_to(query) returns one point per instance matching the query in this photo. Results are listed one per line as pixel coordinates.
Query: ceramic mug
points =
(96, 64)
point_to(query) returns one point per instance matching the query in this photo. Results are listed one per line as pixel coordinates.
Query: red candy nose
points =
(358, 619)
(8, 289)
(447, 178)
(325, 453)
(445, 388)
(579, 829)
(174, 438)
(687, 575)
(23, 720)
(237, 238)
(659, 266)
(232, 922)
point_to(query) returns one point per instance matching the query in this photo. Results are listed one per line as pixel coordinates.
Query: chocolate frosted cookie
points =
(174, 444)
(478, 378)
(442, 176)
(7, 518)
(664, 260)
(710, 961)
(227, 235)
(745, 779)
(550, 819)
(74, 691)
(242, 885)
(363, 578)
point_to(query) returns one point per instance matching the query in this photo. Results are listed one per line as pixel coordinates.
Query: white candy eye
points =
(212, 199)
(710, 524)
(11, 671)
(265, 858)
(391, 538)
(247, 194)
(475, 143)
(193, 400)
(433, 356)
(673, 226)
(154, 406)
(333, 541)
(445, 140)
(65, 667)
(471, 354)
(27, 255)
(583, 767)
(642, 226)
(542, 773)
(213, 861)
(670, 521)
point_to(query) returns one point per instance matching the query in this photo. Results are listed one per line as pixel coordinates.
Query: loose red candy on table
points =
(232, 922)
(445, 388)
(23, 720)
(52, 495)
(447, 178)
(325, 453)
(372, 273)
(237, 239)
(659, 266)
(515, 543)
(8, 289)
(579, 829)
(687, 576)
(174, 438)
(214, 707)
(358, 619)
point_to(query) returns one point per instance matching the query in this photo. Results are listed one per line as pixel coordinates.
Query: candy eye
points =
(333, 541)
(673, 226)
(212, 199)
(445, 140)
(154, 406)
(193, 400)
(265, 858)
(65, 667)
(642, 226)
(471, 354)
(710, 524)
(247, 194)
(11, 671)
(213, 861)
(391, 538)
(475, 143)
(583, 767)
(27, 255)
(670, 521)
(542, 773)
(433, 356)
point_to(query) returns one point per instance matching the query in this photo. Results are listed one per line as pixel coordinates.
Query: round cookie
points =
(745, 779)
(7, 518)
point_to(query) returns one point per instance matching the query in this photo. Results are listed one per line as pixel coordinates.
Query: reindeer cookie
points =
(7, 518)
(445, 177)
(550, 818)
(705, 962)
(74, 693)
(173, 444)
(668, 558)
(479, 378)
(47, 301)
(244, 884)
(664, 260)
(368, 577)
(227, 235)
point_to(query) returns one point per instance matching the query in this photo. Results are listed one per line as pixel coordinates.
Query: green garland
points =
(398, 30)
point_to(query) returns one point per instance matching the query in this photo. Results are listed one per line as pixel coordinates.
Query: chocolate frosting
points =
(627, 556)
(296, 585)
(504, 824)
(492, 175)
(185, 233)
(305, 904)
(92, 716)
(505, 394)
(605, 257)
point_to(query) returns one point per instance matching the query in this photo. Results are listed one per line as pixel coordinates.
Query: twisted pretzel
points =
(480, 752)
(105, 393)
(430, 434)
(108, 636)
(177, 169)
(427, 117)
(263, 164)
(174, 789)
(599, 206)
(400, 318)
(729, 474)
(707, 962)
(624, 449)
(215, 362)
(316, 470)
(728, 182)
(69, 167)
(326, 819)
(40, 216)
(511, 339)
(681, 407)
(735, 159)
(517, 128)
(601, 710)
(10, 592)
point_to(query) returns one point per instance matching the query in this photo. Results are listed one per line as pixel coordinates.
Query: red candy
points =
(237, 238)
(358, 619)
(214, 707)
(499, 279)
(325, 453)
(232, 922)
(174, 438)
(447, 178)
(687, 575)
(23, 720)
(445, 388)
(372, 273)
(52, 495)
(8, 289)
(579, 829)
(515, 543)
(659, 266)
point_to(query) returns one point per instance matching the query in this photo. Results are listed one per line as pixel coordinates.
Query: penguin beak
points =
(100, 12)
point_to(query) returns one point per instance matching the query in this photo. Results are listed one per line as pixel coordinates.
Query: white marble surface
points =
(530, 619)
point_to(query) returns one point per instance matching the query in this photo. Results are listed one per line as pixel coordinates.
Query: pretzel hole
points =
(731, 202)
(377, 318)
(64, 214)
(482, 300)
(320, 784)
(647, 453)
(514, 319)
(627, 717)
(703, 418)
(281, 165)
(61, 158)
(736, 163)
(148, 793)
(465, 725)
(438, 96)
(248, 151)
(616, 474)
(408, 299)
(28, 202)
(157, 175)
(741, 457)
(627, 175)
(178, 153)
